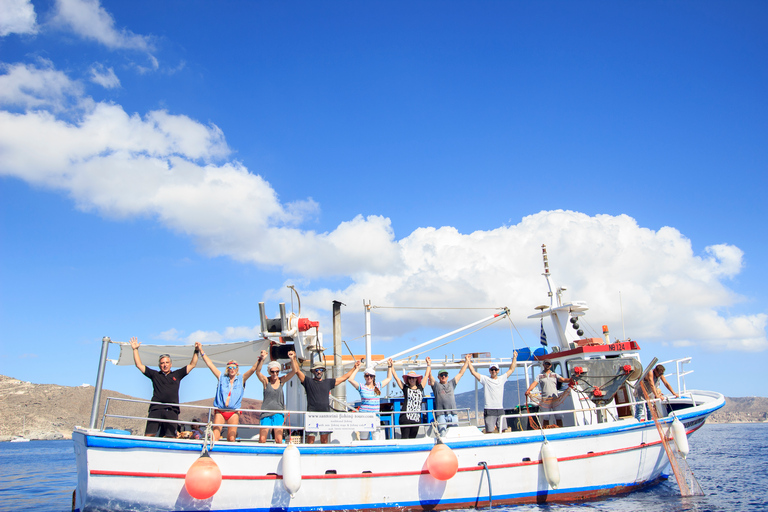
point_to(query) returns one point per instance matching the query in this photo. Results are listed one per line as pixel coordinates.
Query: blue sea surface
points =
(730, 462)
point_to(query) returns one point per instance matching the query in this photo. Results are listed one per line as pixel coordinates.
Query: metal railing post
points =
(105, 341)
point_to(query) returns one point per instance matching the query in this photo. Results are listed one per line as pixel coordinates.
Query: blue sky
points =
(165, 166)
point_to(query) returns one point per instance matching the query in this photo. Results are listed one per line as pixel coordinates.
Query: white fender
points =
(551, 467)
(681, 440)
(291, 469)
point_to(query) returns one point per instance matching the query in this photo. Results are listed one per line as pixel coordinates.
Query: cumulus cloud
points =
(90, 20)
(176, 169)
(104, 77)
(17, 17)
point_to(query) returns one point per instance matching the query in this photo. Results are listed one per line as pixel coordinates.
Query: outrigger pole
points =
(412, 349)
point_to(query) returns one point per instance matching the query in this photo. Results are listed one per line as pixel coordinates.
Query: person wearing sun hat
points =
(318, 388)
(413, 393)
(274, 399)
(229, 395)
(493, 393)
(445, 400)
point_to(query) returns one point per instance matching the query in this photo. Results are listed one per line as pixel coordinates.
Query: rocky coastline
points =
(49, 411)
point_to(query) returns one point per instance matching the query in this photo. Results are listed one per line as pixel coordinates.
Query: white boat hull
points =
(118, 472)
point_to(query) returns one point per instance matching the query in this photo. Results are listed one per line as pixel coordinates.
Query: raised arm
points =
(394, 374)
(472, 369)
(463, 369)
(256, 368)
(347, 375)
(288, 376)
(199, 348)
(193, 362)
(135, 344)
(428, 374)
(384, 383)
(352, 380)
(297, 369)
(512, 365)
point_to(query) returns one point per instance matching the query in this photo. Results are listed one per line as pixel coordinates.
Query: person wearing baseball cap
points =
(369, 393)
(547, 382)
(445, 400)
(493, 393)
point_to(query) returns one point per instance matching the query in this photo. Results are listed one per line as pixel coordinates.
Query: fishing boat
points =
(596, 449)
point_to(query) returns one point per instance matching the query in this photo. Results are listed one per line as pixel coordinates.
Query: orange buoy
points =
(442, 463)
(203, 478)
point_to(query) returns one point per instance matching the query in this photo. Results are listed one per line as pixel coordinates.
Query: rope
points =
(208, 440)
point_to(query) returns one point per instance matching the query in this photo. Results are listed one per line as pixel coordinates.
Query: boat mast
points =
(560, 314)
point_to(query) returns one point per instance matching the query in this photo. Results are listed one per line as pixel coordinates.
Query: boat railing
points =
(609, 408)
(389, 420)
(679, 372)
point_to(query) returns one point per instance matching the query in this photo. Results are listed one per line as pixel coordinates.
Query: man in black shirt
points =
(317, 389)
(165, 386)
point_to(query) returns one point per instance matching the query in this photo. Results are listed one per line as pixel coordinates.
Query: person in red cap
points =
(229, 395)
(413, 393)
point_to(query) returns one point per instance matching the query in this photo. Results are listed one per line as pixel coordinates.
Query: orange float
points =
(442, 463)
(203, 478)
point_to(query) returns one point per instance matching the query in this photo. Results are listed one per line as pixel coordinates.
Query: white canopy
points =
(244, 352)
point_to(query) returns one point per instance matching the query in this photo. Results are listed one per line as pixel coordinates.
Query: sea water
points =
(730, 462)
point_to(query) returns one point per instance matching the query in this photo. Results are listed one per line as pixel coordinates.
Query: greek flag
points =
(543, 337)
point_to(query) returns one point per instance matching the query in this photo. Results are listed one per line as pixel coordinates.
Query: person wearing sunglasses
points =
(318, 388)
(413, 394)
(165, 389)
(445, 399)
(493, 393)
(274, 399)
(369, 393)
(229, 395)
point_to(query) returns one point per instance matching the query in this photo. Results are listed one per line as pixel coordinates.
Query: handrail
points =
(392, 422)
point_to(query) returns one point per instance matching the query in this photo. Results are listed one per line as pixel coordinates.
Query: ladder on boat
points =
(687, 482)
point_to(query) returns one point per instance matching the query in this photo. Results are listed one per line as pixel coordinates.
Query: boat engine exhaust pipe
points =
(339, 392)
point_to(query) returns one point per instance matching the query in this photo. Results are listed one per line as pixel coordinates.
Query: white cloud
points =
(104, 77)
(90, 20)
(173, 168)
(17, 17)
(33, 87)
(169, 335)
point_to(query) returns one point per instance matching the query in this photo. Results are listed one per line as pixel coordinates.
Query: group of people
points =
(231, 388)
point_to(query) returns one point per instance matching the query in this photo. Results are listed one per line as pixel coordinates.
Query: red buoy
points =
(203, 478)
(442, 463)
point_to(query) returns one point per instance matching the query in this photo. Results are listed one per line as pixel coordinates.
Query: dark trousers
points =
(407, 432)
(162, 412)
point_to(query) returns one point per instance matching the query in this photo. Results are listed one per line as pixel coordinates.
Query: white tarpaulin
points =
(244, 352)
